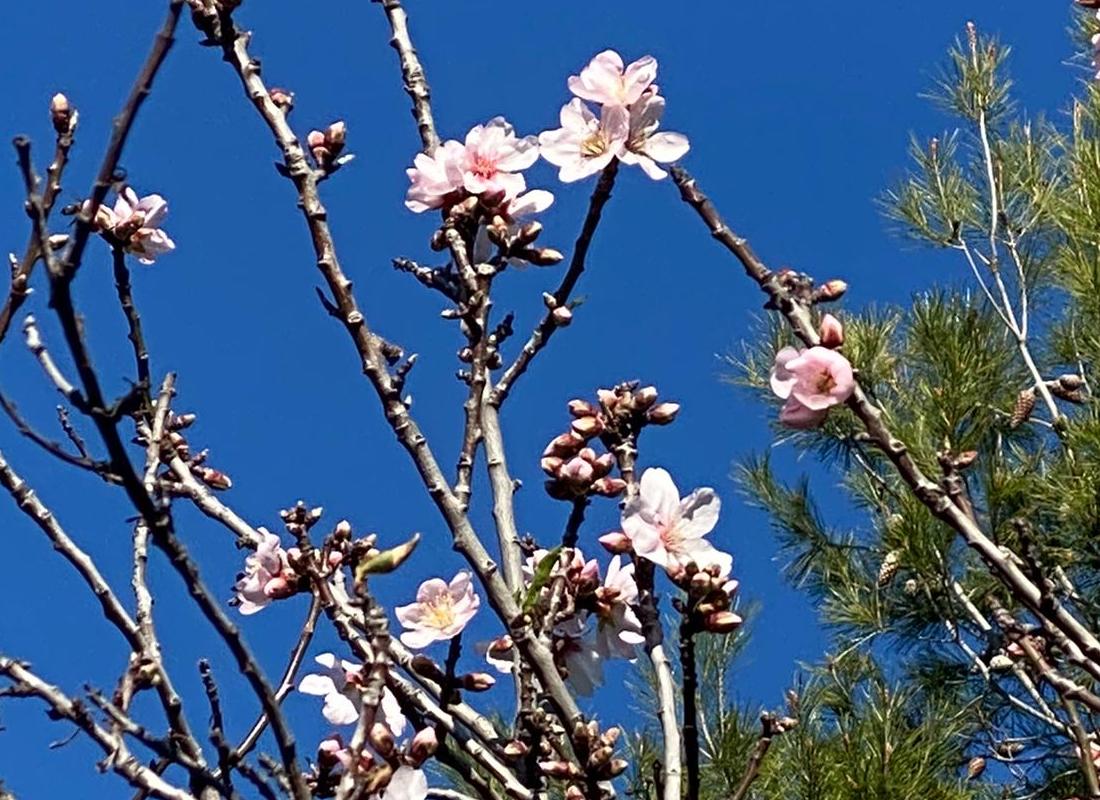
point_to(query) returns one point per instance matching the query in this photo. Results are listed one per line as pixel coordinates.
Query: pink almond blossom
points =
(406, 784)
(580, 657)
(267, 576)
(136, 223)
(619, 630)
(669, 530)
(494, 157)
(441, 611)
(644, 145)
(811, 381)
(585, 144)
(604, 80)
(436, 179)
(338, 683)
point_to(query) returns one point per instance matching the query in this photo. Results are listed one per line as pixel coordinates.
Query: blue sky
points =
(798, 113)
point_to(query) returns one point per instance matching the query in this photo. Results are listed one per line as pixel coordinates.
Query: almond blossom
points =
(494, 158)
(668, 530)
(604, 80)
(437, 178)
(267, 576)
(135, 222)
(585, 144)
(645, 146)
(513, 211)
(441, 611)
(811, 381)
(406, 784)
(339, 684)
(619, 630)
(579, 656)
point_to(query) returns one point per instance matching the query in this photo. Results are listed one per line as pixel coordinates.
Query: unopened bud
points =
(516, 749)
(609, 487)
(617, 767)
(562, 316)
(550, 465)
(177, 422)
(213, 478)
(588, 426)
(558, 769)
(565, 445)
(645, 397)
(830, 290)
(576, 471)
(600, 757)
(582, 408)
(328, 752)
(381, 739)
(283, 98)
(722, 622)
(336, 136)
(663, 414)
(423, 746)
(574, 792)
(616, 542)
(342, 531)
(61, 113)
(279, 588)
(528, 232)
(831, 332)
(541, 256)
(478, 682)
(387, 560)
(549, 301)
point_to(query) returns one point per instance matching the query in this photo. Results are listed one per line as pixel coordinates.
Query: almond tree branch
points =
(416, 84)
(234, 44)
(545, 329)
(1082, 643)
(119, 758)
(769, 728)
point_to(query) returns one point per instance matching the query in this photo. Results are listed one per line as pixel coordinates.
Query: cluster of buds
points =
(62, 115)
(327, 146)
(709, 599)
(596, 751)
(490, 221)
(283, 98)
(800, 287)
(576, 470)
(175, 443)
(390, 768)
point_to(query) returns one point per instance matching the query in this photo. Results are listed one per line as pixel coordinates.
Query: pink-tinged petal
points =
(782, 379)
(317, 685)
(705, 555)
(155, 209)
(340, 710)
(645, 117)
(667, 147)
(658, 492)
(410, 615)
(533, 202)
(249, 605)
(575, 117)
(523, 153)
(391, 710)
(637, 77)
(601, 81)
(647, 164)
(615, 123)
(431, 589)
(699, 513)
(795, 415)
(577, 171)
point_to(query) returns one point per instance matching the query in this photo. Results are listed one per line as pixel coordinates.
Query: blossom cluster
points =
(134, 223)
(813, 380)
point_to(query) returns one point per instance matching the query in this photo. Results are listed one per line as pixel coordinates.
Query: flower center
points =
(825, 383)
(671, 536)
(483, 166)
(594, 145)
(440, 613)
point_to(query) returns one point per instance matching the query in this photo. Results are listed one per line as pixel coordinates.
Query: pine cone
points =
(1025, 404)
(888, 569)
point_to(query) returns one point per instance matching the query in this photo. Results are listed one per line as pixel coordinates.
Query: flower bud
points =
(664, 413)
(516, 749)
(645, 397)
(603, 465)
(831, 332)
(574, 792)
(423, 746)
(616, 542)
(600, 757)
(336, 136)
(582, 408)
(607, 398)
(829, 291)
(177, 422)
(542, 256)
(279, 588)
(283, 98)
(550, 465)
(61, 113)
(342, 531)
(587, 426)
(617, 767)
(722, 622)
(381, 739)
(558, 769)
(328, 752)
(576, 471)
(213, 478)
(549, 300)
(565, 445)
(562, 316)
(609, 487)
(528, 232)
(478, 682)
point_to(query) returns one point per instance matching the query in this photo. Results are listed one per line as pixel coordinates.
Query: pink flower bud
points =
(283, 98)
(608, 398)
(604, 464)
(617, 767)
(478, 682)
(588, 426)
(576, 471)
(215, 479)
(334, 558)
(664, 413)
(616, 543)
(423, 746)
(550, 465)
(336, 135)
(315, 139)
(722, 622)
(278, 588)
(557, 769)
(61, 113)
(609, 487)
(329, 751)
(588, 454)
(831, 332)
(830, 290)
(516, 749)
(342, 530)
(562, 316)
(582, 408)
(645, 397)
(574, 792)
(564, 446)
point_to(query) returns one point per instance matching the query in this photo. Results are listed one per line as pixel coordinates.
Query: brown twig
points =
(690, 677)
(416, 84)
(769, 728)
